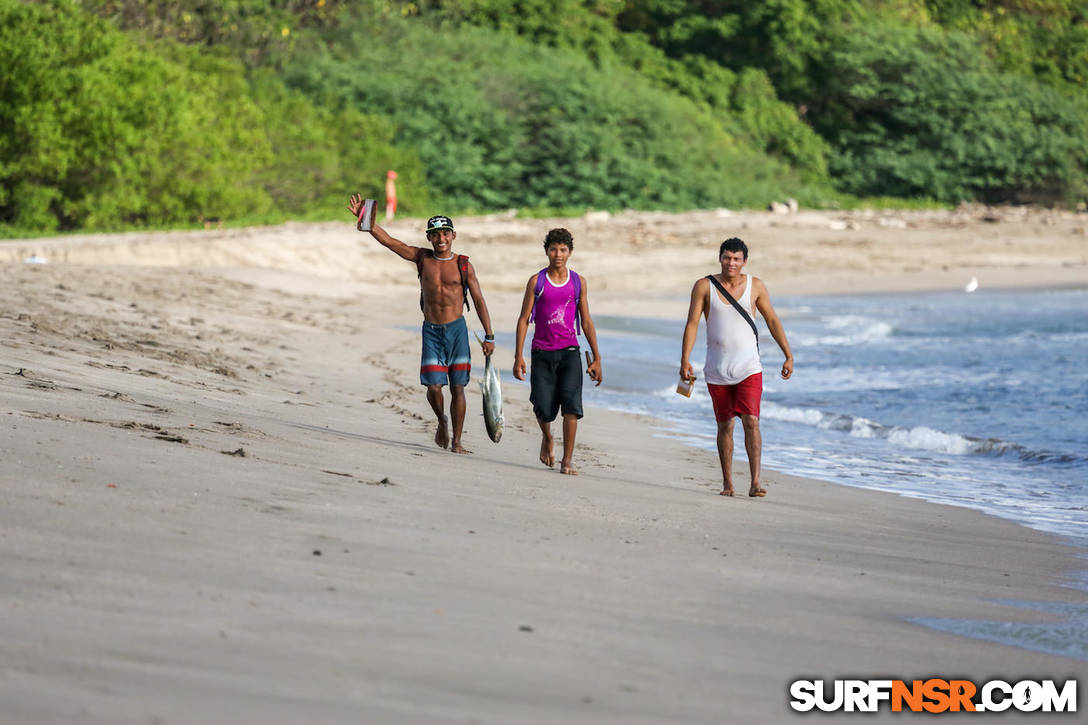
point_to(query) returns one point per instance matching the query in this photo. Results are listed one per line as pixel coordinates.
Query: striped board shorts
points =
(446, 358)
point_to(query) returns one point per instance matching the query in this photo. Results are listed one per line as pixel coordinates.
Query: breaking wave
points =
(847, 330)
(919, 438)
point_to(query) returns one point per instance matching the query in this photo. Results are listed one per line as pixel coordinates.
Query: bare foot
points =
(547, 456)
(726, 492)
(757, 491)
(442, 437)
(567, 468)
(458, 448)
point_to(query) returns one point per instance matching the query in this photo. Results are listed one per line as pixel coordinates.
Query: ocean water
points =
(977, 400)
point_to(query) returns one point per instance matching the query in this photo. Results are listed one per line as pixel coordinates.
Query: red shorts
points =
(740, 399)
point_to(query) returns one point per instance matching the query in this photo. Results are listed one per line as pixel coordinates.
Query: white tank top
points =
(731, 351)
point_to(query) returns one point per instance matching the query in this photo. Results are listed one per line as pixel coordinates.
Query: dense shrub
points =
(924, 113)
(100, 131)
(785, 38)
(950, 99)
(250, 108)
(541, 127)
(95, 131)
(750, 110)
(255, 31)
(320, 154)
(1046, 39)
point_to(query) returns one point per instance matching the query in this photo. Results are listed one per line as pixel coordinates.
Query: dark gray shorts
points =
(556, 382)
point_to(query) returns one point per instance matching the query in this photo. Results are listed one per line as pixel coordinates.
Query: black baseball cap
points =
(439, 222)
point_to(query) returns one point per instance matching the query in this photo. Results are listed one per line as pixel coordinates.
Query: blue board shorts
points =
(446, 357)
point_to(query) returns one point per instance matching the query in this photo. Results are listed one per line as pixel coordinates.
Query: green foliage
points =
(775, 127)
(900, 128)
(120, 113)
(585, 25)
(785, 38)
(593, 27)
(322, 154)
(540, 127)
(98, 131)
(255, 31)
(924, 113)
(1047, 39)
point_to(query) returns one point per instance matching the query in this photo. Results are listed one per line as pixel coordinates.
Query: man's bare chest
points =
(440, 273)
(736, 289)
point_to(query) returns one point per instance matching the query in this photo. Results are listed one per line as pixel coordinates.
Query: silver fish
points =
(492, 391)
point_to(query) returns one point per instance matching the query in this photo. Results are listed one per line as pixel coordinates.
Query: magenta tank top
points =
(555, 313)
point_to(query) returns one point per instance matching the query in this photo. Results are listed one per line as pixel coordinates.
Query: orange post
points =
(390, 195)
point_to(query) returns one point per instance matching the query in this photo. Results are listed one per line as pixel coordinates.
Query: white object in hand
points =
(685, 386)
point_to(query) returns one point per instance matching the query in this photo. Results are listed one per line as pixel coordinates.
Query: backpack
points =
(462, 268)
(539, 289)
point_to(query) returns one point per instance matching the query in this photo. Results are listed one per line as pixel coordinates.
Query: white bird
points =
(972, 285)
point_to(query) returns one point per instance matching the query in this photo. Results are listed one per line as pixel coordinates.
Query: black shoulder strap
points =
(462, 268)
(743, 312)
(420, 251)
(419, 273)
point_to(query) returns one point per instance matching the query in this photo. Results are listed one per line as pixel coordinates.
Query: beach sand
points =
(222, 503)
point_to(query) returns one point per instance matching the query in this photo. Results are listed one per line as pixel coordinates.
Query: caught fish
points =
(492, 391)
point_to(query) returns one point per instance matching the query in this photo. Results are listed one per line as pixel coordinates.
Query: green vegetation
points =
(1047, 39)
(948, 99)
(920, 112)
(99, 130)
(544, 130)
(122, 113)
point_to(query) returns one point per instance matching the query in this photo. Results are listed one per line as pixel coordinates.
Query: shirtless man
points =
(443, 279)
(734, 375)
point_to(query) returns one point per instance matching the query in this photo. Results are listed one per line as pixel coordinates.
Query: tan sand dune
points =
(221, 502)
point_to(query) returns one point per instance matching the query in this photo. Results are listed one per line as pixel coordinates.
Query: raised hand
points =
(356, 205)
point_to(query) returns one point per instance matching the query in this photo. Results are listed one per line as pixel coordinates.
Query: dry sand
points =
(221, 502)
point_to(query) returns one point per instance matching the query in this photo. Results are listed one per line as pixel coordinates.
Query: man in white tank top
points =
(733, 372)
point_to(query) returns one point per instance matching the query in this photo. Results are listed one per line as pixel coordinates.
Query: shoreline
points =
(671, 430)
(223, 500)
(791, 425)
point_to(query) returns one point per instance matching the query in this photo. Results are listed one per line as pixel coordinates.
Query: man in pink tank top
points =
(557, 299)
(733, 372)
